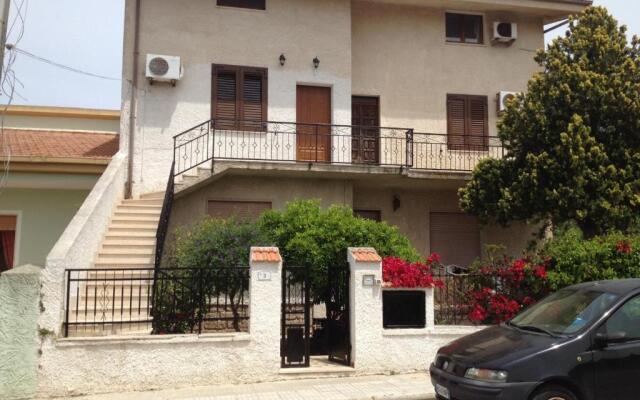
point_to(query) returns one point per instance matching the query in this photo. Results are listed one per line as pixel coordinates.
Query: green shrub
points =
(573, 259)
(308, 235)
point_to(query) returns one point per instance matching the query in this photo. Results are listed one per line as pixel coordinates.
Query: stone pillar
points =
(266, 300)
(19, 311)
(365, 297)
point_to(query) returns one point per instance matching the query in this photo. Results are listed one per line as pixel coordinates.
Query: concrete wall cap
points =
(365, 254)
(265, 255)
(27, 269)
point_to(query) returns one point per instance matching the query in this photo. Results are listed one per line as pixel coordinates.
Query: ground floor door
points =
(313, 117)
(338, 325)
(365, 141)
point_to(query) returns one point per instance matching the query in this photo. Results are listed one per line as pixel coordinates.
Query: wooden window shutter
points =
(239, 97)
(254, 102)
(456, 121)
(478, 123)
(225, 89)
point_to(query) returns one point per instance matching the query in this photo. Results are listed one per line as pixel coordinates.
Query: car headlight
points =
(486, 375)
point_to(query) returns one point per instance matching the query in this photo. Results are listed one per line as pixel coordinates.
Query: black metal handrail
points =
(330, 144)
(156, 300)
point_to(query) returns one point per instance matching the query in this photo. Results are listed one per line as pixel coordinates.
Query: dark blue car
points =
(580, 343)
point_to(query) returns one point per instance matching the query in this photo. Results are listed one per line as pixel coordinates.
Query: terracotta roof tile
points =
(366, 254)
(265, 254)
(59, 144)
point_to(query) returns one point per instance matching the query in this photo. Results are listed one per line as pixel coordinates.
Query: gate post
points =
(265, 293)
(365, 295)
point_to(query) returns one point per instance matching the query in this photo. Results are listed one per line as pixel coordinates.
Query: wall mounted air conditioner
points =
(163, 68)
(505, 32)
(504, 98)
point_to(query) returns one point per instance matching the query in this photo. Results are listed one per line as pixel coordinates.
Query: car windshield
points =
(565, 312)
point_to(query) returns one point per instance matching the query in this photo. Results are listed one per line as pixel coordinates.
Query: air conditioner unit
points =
(163, 68)
(504, 98)
(505, 32)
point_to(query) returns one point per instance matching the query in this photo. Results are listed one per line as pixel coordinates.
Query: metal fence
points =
(452, 300)
(101, 302)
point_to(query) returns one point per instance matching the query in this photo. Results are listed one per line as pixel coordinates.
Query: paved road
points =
(395, 387)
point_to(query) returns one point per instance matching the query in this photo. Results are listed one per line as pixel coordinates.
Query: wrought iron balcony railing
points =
(330, 144)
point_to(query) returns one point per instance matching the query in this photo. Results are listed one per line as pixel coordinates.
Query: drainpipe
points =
(132, 102)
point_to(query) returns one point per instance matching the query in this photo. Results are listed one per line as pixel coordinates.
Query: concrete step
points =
(132, 219)
(124, 242)
(119, 251)
(157, 207)
(136, 213)
(143, 202)
(154, 195)
(124, 260)
(120, 227)
(131, 234)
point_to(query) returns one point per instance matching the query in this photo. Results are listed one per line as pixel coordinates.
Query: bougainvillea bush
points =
(399, 273)
(501, 288)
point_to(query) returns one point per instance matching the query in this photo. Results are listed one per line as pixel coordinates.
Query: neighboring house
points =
(51, 159)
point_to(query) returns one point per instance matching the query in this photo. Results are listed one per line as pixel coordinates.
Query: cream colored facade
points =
(393, 50)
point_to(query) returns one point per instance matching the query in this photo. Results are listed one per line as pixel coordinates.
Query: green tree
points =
(572, 140)
(318, 238)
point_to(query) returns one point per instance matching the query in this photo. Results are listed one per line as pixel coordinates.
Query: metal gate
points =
(296, 306)
(338, 324)
(296, 330)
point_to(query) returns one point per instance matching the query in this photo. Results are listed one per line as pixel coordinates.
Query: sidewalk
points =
(395, 387)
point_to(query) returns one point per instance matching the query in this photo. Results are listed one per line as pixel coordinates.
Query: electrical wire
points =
(62, 66)
(8, 81)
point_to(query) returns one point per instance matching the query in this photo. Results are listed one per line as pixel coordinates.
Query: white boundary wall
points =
(379, 350)
(97, 365)
(125, 363)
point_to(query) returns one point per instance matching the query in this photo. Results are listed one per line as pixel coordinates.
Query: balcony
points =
(288, 142)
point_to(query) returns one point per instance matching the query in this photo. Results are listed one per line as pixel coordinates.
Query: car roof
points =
(618, 286)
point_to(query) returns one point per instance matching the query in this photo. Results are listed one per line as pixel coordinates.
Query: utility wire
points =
(58, 65)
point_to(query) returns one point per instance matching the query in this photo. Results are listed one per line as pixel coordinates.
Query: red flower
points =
(624, 247)
(402, 274)
(540, 272)
(478, 314)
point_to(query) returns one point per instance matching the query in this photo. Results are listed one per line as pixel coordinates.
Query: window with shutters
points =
(468, 122)
(252, 4)
(464, 28)
(239, 97)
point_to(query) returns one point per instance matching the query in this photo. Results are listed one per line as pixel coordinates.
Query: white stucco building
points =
(383, 106)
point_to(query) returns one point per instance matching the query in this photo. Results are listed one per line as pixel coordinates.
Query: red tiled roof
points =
(365, 255)
(265, 254)
(58, 144)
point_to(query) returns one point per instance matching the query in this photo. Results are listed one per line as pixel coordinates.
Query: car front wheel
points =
(553, 392)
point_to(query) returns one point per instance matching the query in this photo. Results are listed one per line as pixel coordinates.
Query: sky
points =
(87, 35)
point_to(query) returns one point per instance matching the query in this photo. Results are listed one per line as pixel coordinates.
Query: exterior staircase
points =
(109, 300)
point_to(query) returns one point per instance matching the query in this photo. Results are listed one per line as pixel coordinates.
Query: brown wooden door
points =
(313, 109)
(365, 142)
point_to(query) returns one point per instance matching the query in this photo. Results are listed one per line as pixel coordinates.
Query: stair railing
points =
(163, 227)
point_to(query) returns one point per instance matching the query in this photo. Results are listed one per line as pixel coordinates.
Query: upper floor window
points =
(464, 28)
(239, 97)
(253, 4)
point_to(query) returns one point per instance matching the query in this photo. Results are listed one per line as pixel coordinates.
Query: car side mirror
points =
(603, 339)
